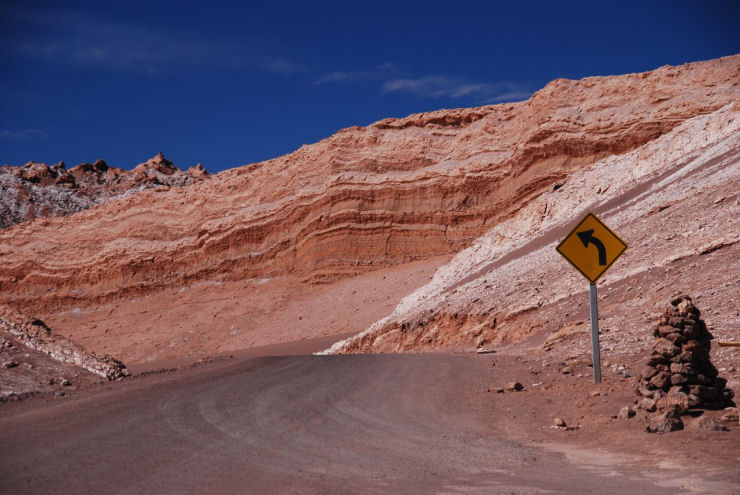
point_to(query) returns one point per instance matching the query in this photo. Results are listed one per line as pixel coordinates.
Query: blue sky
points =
(228, 84)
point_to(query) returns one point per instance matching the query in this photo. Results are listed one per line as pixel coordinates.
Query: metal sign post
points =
(591, 247)
(595, 335)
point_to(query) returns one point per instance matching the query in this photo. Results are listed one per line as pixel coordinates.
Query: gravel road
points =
(298, 424)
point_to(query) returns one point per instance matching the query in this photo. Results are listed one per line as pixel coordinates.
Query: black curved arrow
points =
(587, 236)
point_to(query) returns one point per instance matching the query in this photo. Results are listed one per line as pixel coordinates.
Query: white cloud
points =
(20, 134)
(438, 86)
(510, 96)
(90, 41)
(377, 73)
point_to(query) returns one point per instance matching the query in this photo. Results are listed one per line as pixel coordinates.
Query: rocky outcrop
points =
(34, 334)
(395, 191)
(39, 190)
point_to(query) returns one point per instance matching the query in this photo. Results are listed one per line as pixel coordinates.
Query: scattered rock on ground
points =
(514, 387)
(626, 412)
(664, 423)
(730, 414)
(706, 423)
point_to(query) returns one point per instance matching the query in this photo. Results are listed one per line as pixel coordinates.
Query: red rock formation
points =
(37, 359)
(673, 199)
(37, 190)
(397, 190)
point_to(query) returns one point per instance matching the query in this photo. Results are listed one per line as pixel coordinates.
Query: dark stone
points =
(665, 348)
(647, 404)
(678, 321)
(676, 390)
(707, 393)
(681, 297)
(690, 356)
(673, 404)
(662, 380)
(664, 423)
(645, 392)
(676, 338)
(678, 379)
(681, 368)
(694, 400)
(700, 352)
(663, 330)
(514, 387)
(657, 359)
(626, 412)
(648, 372)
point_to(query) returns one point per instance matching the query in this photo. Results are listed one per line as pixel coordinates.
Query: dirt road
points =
(299, 424)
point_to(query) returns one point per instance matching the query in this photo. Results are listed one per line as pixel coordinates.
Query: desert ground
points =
(384, 311)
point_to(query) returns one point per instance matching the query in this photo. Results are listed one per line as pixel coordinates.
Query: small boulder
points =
(730, 414)
(661, 380)
(664, 423)
(675, 404)
(559, 422)
(626, 412)
(514, 387)
(678, 379)
(665, 347)
(647, 404)
(706, 423)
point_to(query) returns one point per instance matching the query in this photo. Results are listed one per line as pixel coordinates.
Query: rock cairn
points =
(679, 374)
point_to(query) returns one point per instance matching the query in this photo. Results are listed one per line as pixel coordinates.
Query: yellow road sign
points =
(592, 247)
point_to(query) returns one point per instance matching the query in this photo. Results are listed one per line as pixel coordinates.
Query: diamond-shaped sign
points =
(592, 247)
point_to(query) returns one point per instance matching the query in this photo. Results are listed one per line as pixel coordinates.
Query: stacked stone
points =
(679, 374)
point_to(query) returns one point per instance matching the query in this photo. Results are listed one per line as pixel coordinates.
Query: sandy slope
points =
(214, 317)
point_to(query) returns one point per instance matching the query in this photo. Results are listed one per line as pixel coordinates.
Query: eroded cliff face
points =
(676, 203)
(39, 190)
(395, 191)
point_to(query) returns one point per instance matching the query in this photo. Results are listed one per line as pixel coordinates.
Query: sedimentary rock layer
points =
(397, 190)
(671, 199)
